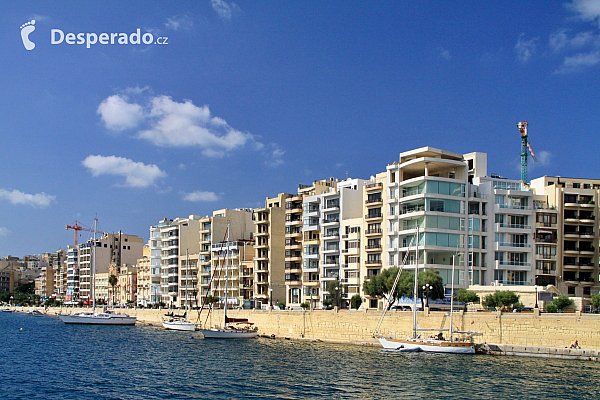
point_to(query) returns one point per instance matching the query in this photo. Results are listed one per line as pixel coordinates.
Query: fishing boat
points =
(460, 344)
(232, 328)
(108, 317)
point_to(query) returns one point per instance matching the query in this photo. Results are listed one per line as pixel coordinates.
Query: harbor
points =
(48, 359)
(513, 334)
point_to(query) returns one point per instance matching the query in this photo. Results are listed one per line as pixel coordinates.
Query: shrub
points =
(355, 301)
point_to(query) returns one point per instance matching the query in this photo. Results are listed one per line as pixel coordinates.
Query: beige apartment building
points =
(110, 249)
(211, 258)
(574, 226)
(268, 274)
(144, 278)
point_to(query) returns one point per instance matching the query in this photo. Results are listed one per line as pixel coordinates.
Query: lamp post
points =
(271, 296)
(536, 296)
(426, 290)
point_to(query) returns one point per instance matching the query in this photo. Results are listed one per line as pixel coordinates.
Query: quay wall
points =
(351, 326)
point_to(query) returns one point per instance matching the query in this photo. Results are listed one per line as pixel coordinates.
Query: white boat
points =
(93, 318)
(35, 313)
(232, 328)
(435, 344)
(178, 323)
(109, 317)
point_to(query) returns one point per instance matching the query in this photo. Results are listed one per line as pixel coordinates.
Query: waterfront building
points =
(104, 291)
(144, 278)
(44, 283)
(335, 207)
(267, 276)
(126, 288)
(57, 261)
(177, 237)
(110, 249)
(211, 279)
(296, 240)
(72, 288)
(188, 279)
(575, 259)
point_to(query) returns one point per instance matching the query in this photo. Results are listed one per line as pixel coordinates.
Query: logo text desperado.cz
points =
(57, 36)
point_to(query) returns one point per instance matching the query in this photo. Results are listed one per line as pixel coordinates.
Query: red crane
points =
(77, 228)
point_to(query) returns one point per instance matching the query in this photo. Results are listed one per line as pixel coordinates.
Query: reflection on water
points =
(48, 359)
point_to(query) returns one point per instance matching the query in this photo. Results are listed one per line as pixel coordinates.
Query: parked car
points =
(523, 309)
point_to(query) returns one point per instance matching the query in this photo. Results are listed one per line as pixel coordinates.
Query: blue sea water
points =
(44, 359)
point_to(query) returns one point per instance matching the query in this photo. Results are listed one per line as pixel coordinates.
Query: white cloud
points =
(184, 124)
(561, 40)
(224, 9)
(137, 89)
(525, 48)
(445, 54)
(200, 196)
(4, 231)
(118, 114)
(179, 22)
(587, 10)
(38, 200)
(168, 123)
(544, 158)
(136, 174)
(578, 62)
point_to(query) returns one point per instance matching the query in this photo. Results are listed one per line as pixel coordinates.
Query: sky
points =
(198, 106)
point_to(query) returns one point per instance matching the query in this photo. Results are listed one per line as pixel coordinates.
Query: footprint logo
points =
(26, 29)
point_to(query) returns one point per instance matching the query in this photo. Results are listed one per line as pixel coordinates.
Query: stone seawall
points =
(356, 327)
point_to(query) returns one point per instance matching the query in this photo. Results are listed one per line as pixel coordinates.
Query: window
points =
(571, 290)
(576, 185)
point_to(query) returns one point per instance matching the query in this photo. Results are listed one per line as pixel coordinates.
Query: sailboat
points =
(109, 317)
(434, 344)
(230, 328)
(180, 322)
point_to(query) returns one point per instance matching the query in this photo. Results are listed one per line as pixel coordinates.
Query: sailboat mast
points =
(94, 266)
(452, 297)
(226, 276)
(415, 290)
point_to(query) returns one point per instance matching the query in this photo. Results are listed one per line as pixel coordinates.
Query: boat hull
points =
(97, 319)
(179, 325)
(229, 333)
(427, 345)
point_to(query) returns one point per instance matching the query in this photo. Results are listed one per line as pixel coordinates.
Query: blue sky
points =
(250, 98)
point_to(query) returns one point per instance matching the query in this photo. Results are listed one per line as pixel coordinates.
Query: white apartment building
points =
(178, 237)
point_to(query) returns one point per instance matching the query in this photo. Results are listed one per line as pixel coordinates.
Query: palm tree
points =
(112, 280)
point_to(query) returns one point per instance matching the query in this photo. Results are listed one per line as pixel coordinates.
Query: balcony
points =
(373, 248)
(374, 202)
(373, 217)
(330, 221)
(373, 263)
(373, 232)
(373, 187)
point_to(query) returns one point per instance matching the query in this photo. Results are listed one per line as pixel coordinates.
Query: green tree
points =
(355, 301)
(433, 283)
(561, 302)
(466, 296)
(502, 300)
(336, 293)
(304, 305)
(595, 302)
(112, 281)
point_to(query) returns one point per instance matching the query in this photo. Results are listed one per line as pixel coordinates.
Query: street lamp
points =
(271, 297)
(536, 296)
(426, 290)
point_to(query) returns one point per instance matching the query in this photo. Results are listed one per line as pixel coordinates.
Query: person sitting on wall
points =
(575, 345)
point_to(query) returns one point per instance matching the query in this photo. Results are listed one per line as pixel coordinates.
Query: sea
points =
(41, 358)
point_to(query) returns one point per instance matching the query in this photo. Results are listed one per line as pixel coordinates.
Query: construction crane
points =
(76, 228)
(525, 147)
